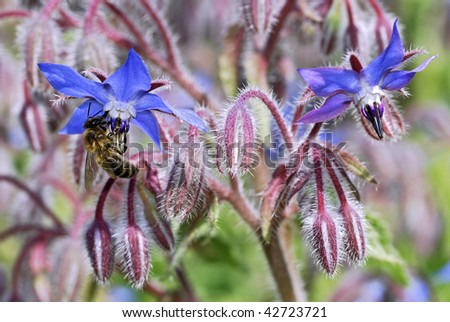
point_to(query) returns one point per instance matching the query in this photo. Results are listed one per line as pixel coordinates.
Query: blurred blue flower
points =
(417, 291)
(365, 87)
(121, 294)
(443, 275)
(124, 95)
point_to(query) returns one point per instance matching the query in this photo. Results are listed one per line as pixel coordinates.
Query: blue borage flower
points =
(365, 87)
(124, 94)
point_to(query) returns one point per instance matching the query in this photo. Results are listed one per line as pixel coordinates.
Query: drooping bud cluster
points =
(238, 138)
(329, 232)
(131, 240)
(186, 188)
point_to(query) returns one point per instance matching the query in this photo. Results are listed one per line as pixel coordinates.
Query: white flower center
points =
(368, 95)
(122, 110)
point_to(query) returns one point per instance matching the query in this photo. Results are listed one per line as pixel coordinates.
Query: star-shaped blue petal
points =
(125, 95)
(364, 87)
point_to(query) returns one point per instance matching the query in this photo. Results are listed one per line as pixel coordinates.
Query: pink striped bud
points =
(134, 249)
(323, 235)
(238, 139)
(258, 15)
(186, 188)
(133, 242)
(100, 249)
(321, 227)
(354, 239)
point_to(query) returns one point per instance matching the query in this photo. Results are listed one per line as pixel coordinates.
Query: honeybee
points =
(105, 147)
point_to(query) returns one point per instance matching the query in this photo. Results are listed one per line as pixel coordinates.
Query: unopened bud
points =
(100, 249)
(186, 187)
(258, 15)
(323, 237)
(355, 239)
(239, 135)
(134, 249)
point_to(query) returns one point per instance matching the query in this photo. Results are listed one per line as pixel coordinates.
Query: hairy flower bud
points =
(323, 236)
(100, 248)
(238, 139)
(134, 249)
(133, 242)
(354, 239)
(186, 187)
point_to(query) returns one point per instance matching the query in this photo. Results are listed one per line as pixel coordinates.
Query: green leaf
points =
(356, 167)
(383, 255)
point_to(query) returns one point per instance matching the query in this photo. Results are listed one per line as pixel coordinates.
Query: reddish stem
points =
(35, 198)
(14, 14)
(59, 185)
(18, 229)
(130, 202)
(337, 185)
(113, 34)
(163, 29)
(319, 180)
(50, 6)
(102, 199)
(273, 108)
(288, 6)
(235, 197)
(90, 16)
(68, 20)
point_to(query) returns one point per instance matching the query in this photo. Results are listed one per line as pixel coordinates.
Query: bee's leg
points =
(125, 147)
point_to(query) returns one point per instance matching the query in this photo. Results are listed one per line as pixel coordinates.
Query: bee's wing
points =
(90, 170)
